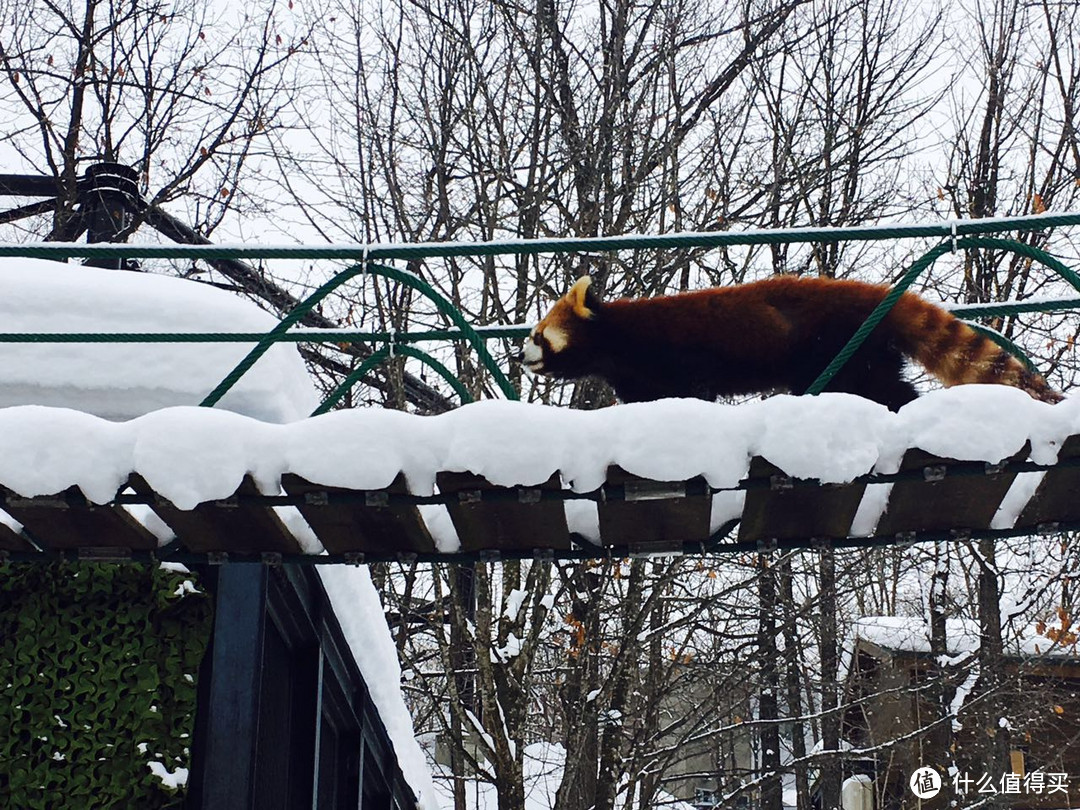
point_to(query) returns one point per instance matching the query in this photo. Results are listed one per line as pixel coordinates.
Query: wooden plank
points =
(229, 526)
(365, 526)
(1056, 498)
(654, 516)
(933, 503)
(784, 512)
(515, 518)
(68, 521)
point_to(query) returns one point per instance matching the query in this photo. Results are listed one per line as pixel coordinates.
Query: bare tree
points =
(186, 93)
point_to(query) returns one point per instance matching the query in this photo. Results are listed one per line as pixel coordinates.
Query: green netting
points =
(98, 676)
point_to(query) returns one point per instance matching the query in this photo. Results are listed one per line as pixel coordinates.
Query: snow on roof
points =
(360, 614)
(124, 380)
(206, 448)
(903, 634)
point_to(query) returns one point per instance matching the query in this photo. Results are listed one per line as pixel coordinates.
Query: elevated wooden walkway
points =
(929, 498)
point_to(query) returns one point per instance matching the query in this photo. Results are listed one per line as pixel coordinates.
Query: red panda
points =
(771, 335)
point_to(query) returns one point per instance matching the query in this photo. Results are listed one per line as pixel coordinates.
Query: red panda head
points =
(558, 346)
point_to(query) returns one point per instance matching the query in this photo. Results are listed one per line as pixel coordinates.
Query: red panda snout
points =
(532, 354)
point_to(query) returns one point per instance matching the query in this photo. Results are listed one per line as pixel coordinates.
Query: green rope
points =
(378, 357)
(991, 310)
(319, 294)
(1006, 309)
(53, 250)
(451, 312)
(296, 336)
(916, 269)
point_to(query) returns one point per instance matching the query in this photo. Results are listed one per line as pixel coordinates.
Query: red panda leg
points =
(881, 379)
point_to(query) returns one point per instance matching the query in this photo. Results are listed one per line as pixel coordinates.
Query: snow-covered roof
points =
(124, 380)
(64, 395)
(912, 635)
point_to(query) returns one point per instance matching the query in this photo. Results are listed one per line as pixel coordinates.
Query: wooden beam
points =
(653, 516)
(785, 512)
(515, 519)
(224, 526)
(67, 520)
(940, 500)
(1056, 498)
(368, 525)
(10, 540)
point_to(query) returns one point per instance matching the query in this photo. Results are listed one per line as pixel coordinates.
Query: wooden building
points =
(907, 708)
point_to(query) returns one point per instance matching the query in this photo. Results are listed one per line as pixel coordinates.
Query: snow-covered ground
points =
(543, 769)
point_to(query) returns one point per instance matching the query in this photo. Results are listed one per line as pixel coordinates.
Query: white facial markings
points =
(556, 338)
(532, 354)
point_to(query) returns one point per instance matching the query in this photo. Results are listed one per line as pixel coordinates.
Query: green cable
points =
(319, 294)
(916, 269)
(708, 239)
(378, 357)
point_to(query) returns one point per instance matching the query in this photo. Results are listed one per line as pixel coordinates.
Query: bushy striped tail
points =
(956, 354)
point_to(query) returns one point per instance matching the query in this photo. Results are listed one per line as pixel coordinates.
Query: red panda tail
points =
(955, 353)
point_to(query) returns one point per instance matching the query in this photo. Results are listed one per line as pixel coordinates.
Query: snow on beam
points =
(523, 461)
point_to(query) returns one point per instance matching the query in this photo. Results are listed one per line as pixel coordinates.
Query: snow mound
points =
(191, 455)
(123, 380)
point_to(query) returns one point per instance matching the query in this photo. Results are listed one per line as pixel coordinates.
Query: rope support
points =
(917, 269)
(973, 232)
(421, 250)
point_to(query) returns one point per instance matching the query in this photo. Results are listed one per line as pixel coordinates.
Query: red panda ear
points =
(582, 299)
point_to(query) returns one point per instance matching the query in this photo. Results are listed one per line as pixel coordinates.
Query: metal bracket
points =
(317, 498)
(906, 538)
(653, 490)
(113, 554)
(781, 483)
(377, 498)
(934, 473)
(529, 494)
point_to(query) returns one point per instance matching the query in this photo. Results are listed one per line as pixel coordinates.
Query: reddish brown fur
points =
(777, 334)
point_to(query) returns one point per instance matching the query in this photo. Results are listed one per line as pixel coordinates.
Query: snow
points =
(190, 455)
(123, 380)
(134, 412)
(542, 771)
(514, 600)
(170, 779)
(356, 604)
(904, 634)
